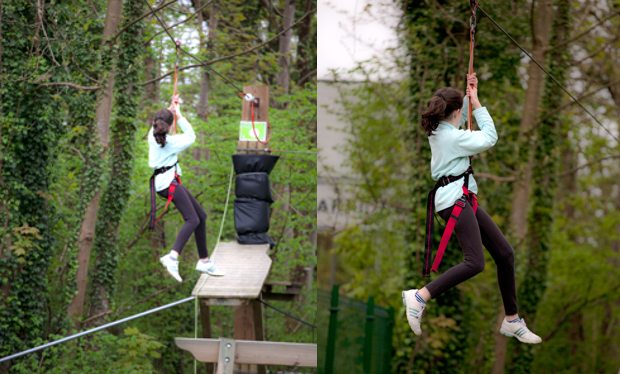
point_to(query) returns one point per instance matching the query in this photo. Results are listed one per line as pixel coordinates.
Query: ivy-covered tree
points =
(124, 126)
(31, 122)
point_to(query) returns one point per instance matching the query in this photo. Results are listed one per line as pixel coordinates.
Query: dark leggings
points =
(472, 231)
(195, 220)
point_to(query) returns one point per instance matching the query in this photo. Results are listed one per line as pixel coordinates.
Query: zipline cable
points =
(99, 328)
(548, 74)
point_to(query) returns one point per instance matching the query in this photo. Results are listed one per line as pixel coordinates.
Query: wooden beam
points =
(253, 352)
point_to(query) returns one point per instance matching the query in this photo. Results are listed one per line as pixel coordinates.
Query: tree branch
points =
(495, 178)
(582, 34)
(165, 5)
(231, 56)
(70, 85)
(582, 305)
(612, 157)
(180, 22)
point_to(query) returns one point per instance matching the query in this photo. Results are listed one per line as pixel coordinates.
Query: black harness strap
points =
(156, 172)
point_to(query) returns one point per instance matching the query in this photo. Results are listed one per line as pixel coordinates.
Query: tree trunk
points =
(202, 108)
(540, 221)
(103, 111)
(542, 14)
(284, 59)
(306, 48)
(152, 69)
(114, 199)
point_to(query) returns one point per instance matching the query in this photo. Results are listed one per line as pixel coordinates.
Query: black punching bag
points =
(253, 198)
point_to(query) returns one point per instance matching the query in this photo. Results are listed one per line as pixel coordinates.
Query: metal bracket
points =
(226, 358)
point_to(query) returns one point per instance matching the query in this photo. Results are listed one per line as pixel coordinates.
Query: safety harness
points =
(171, 189)
(458, 207)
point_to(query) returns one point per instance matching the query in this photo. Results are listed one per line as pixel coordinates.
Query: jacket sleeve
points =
(469, 143)
(180, 142)
(463, 118)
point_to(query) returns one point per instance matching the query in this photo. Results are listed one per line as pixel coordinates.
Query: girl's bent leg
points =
(184, 204)
(468, 235)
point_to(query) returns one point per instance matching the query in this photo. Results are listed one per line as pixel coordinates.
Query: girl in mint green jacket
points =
(451, 149)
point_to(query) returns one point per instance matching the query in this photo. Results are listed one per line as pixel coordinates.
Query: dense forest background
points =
(551, 183)
(80, 81)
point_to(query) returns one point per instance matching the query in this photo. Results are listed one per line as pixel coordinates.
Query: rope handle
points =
(472, 32)
(175, 90)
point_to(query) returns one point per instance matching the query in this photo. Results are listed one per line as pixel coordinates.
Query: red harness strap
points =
(177, 180)
(456, 211)
(454, 217)
(171, 189)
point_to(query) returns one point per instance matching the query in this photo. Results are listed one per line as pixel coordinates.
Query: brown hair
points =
(161, 125)
(441, 106)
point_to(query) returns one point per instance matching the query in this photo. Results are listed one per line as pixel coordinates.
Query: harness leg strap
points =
(447, 233)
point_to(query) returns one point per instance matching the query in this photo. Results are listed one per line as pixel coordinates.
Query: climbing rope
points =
(472, 33)
(175, 80)
(557, 83)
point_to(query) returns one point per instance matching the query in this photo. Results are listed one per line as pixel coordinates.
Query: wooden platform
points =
(246, 268)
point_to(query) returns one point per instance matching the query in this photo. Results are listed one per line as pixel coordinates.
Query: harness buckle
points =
(461, 201)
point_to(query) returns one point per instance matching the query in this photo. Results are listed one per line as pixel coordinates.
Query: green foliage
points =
(565, 271)
(30, 127)
(131, 352)
(52, 164)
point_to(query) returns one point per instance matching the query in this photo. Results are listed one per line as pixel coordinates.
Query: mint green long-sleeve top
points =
(168, 154)
(451, 147)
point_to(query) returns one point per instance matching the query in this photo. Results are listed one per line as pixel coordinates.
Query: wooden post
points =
(205, 321)
(249, 326)
(261, 113)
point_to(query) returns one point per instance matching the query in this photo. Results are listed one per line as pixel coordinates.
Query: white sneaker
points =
(414, 310)
(172, 266)
(520, 331)
(209, 268)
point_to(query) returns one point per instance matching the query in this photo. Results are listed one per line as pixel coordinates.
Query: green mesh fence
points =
(358, 337)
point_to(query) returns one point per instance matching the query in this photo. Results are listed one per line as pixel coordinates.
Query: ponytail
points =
(441, 106)
(161, 126)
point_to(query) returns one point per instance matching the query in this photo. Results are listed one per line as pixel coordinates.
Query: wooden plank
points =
(246, 268)
(253, 352)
